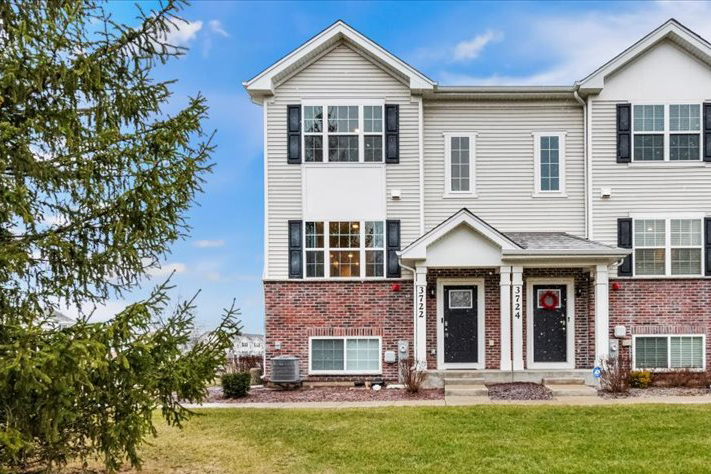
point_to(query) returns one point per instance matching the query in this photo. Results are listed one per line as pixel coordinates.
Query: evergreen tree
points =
(95, 182)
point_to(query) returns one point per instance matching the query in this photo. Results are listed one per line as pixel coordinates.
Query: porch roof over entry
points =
(470, 234)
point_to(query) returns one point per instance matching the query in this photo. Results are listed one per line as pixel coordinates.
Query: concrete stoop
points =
(464, 385)
(569, 387)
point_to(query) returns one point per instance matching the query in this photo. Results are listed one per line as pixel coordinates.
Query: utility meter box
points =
(403, 348)
(614, 348)
(390, 357)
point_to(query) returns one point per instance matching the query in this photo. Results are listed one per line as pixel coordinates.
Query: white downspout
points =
(586, 160)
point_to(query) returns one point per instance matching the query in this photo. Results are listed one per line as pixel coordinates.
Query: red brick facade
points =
(669, 306)
(297, 310)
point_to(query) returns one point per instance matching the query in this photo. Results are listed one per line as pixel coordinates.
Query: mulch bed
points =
(323, 394)
(658, 392)
(519, 391)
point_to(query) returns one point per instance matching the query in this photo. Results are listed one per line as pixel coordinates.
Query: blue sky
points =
(453, 43)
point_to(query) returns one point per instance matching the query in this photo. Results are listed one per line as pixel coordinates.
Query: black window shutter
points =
(293, 133)
(393, 245)
(707, 246)
(624, 240)
(707, 131)
(296, 264)
(392, 134)
(624, 133)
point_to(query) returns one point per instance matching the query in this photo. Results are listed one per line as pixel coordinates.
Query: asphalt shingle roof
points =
(554, 241)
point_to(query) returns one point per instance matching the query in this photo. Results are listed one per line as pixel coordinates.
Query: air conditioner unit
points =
(285, 369)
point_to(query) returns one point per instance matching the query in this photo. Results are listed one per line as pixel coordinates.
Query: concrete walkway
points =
(470, 401)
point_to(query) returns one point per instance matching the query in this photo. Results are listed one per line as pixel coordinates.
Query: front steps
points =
(470, 385)
(464, 384)
(569, 387)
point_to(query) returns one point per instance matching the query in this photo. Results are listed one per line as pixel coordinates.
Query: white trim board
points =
(570, 309)
(481, 326)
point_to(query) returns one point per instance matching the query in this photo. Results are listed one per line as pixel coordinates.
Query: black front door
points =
(460, 324)
(550, 323)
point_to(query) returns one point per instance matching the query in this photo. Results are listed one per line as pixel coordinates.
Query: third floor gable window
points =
(666, 132)
(343, 133)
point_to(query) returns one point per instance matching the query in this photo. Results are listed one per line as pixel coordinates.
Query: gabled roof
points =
(514, 244)
(264, 82)
(417, 250)
(671, 30)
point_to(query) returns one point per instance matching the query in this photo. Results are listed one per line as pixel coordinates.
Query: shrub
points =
(236, 385)
(412, 378)
(615, 375)
(640, 379)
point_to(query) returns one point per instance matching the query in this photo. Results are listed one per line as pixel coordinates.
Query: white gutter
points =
(586, 172)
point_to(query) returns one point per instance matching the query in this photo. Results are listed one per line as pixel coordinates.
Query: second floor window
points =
(665, 247)
(667, 132)
(345, 249)
(549, 163)
(459, 163)
(343, 133)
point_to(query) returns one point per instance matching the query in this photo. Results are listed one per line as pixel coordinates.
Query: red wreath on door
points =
(548, 300)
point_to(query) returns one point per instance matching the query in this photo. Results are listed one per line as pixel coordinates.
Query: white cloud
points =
(183, 32)
(101, 312)
(471, 49)
(167, 269)
(204, 244)
(216, 27)
(572, 46)
(213, 276)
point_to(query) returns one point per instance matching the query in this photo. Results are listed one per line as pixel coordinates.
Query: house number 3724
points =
(517, 302)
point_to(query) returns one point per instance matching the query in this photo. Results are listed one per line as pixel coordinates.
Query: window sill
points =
(667, 277)
(328, 164)
(543, 194)
(460, 196)
(345, 372)
(667, 163)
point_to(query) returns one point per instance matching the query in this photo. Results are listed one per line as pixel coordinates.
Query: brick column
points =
(505, 305)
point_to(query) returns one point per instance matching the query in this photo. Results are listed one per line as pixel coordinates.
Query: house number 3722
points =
(421, 301)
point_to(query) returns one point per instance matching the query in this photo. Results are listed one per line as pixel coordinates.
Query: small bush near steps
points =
(236, 385)
(640, 379)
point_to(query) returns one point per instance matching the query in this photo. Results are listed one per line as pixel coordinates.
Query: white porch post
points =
(421, 317)
(517, 317)
(505, 299)
(602, 314)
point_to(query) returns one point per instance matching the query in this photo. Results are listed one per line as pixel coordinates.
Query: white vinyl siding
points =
(346, 76)
(504, 162)
(637, 188)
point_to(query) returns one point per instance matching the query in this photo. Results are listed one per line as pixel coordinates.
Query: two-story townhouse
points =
(510, 230)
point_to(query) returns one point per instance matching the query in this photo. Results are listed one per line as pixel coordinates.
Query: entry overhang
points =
(519, 248)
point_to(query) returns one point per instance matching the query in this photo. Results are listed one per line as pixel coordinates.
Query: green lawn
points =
(483, 439)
